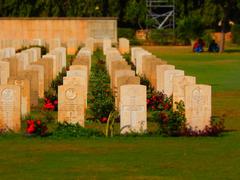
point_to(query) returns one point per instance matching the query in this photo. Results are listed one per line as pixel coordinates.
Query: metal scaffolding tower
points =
(161, 13)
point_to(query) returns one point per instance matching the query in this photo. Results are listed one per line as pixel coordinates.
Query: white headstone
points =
(198, 106)
(133, 109)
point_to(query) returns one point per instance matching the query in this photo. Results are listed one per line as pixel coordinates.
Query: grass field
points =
(142, 157)
(121, 158)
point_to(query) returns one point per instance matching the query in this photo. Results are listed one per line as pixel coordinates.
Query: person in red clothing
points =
(198, 45)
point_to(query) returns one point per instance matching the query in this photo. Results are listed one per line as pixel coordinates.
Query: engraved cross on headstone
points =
(133, 109)
(70, 116)
(197, 100)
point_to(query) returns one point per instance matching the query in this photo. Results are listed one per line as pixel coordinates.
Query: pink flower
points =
(55, 102)
(148, 101)
(39, 122)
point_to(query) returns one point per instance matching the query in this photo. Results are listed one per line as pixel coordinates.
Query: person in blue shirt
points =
(213, 47)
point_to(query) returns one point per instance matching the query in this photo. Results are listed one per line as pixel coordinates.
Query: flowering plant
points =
(214, 129)
(103, 119)
(157, 101)
(36, 127)
(172, 122)
(50, 104)
(3, 131)
(100, 97)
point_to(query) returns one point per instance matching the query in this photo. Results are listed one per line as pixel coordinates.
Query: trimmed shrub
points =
(189, 28)
(126, 33)
(100, 98)
(162, 36)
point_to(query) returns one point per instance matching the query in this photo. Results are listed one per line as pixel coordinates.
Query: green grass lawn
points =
(142, 157)
(121, 158)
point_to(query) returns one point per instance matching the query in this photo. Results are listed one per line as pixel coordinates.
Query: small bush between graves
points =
(36, 128)
(100, 98)
(172, 122)
(58, 81)
(66, 130)
(144, 81)
(51, 96)
(157, 101)
(3, 131)
(127, 57)
(215, 129)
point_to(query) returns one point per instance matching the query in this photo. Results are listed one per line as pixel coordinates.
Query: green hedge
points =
(162, 36)
(126, 32)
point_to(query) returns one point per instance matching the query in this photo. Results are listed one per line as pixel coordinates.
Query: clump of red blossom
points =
(103, 119)
(36, 127)
(158, 101)
(50, 104)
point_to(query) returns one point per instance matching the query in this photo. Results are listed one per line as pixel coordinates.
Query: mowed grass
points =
(142, 157)
(121, 158)
(221, 71)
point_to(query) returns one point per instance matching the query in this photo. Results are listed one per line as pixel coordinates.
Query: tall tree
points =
(135, 13)
(226, 8)
(114, 8)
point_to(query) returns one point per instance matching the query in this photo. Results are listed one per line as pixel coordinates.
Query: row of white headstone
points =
(24, 78)
(71, 45)
(72, 95)
(130, 96)
(174, 82)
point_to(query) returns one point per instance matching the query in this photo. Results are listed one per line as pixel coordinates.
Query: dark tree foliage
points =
(130, 13)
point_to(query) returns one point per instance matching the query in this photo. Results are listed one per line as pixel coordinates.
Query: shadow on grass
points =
(232, 51)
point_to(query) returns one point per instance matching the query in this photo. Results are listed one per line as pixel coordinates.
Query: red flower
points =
(166, 106)
(104, 119)
(31, 129)
(148, 101)
(154, 98)
(153, 108)
(30, 122)
(47, 100)
(39, 122)
(49, 106)
(55, 102)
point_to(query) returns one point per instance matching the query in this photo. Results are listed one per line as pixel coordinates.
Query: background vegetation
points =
(131, 13)
(193, 18)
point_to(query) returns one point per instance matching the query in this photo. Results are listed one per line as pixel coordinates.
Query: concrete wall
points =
(63, 28)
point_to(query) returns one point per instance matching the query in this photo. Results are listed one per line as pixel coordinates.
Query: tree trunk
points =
(185, 7)
(222, 43)
(224, 23)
